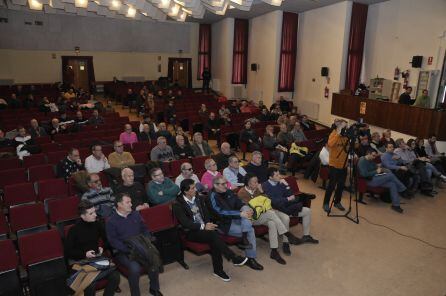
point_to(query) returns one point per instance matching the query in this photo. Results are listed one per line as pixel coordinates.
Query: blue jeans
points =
(134, 270)
(431, 170)
(390, 181)
(238, 226)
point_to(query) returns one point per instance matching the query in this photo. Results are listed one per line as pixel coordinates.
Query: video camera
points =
(352, 132)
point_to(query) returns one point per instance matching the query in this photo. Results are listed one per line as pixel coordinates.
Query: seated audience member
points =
(83, 243)
(101, 197)
(278, 223)
(161, 190)
(36, 131)
(420, 148)
(120, 158)
(257, 167)
(203, 113)
(284, 104)
(69, 95)
(234, 108)
(222, 158)
(96, 119)
(134, 190)
(234, 173)
(128, 136)
(211, 172)
(192, 214)
(405, 97)
(283, 199)
(152, 125)
(377, 176)
(306, 124)
(63, 118)
(324, 155)
(24, 143)
(121, 226)
(363, 146)
(297, 133)
(130, 98)
(423, 100)
(250, 137)
(200, 147)
(162, 151)
(284, 137)
(181, 150)
(170, 113)
(70, 164)
(214, 126)
(163, 132)
(79, 119)
(435, 156)
(298, 155)
(179, 131)
(224, 113)
(245, 108)
(387, 138)
(233, 218)
(264, 115)
(408, 157)
(277, 151)
(96, 162)
(13, 102)
(146, 135)
(4, 141)
(376, 144)
(56, 127)
(187, 172)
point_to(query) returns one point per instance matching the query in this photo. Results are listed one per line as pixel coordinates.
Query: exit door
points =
(180, 71)
(78, 71)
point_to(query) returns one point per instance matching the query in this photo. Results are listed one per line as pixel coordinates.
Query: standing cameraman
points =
(337, 146)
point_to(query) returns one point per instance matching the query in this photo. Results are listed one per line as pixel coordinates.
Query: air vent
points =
(3, 20)
(38, 23)
(28, 23)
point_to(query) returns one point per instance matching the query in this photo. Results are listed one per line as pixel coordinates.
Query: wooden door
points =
(80, 71)
(180, 71)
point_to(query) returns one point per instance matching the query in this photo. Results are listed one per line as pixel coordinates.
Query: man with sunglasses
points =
(234, 218)
(120, 158)
(187, 172)
(101, 197)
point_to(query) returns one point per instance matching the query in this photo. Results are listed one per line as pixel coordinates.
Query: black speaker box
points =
(254, 67)
(324, 71)
(417, 61)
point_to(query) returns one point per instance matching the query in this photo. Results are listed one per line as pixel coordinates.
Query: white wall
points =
(322, 42)
(399, 29)
(222, 47)
(264, 50)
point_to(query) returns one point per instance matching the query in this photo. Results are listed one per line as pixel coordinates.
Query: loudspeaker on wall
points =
(254, 67)
(324, 71)
(417, 61)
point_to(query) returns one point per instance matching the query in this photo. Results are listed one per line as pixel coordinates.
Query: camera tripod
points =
(351, 171)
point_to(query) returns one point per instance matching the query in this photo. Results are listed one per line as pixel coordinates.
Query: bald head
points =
(225, 148)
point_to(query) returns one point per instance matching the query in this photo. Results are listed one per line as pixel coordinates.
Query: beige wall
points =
(26, 66)
(322, 42)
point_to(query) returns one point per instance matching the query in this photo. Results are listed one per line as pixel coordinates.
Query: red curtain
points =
(288, 52)
(240, 52)
(356, 45)
(204, 49)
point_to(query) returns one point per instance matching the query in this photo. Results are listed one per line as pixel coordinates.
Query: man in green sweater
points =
(161, 190)
(379, 177)
(424, 100)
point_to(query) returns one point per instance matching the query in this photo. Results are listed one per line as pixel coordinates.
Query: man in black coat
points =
(191, 212)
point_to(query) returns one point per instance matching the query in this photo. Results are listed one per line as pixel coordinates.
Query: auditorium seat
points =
(28, 218)
(198, 164)
(175, 166)
(41, 172)
(33, 160)
(142, 147)
(17, 194)
(9, 276)
(13, 176)
(63, 210)
(56, 156)
(4, 227)
(52, 188)
(140, 157)
(10, 163)
(42, 140)
(158, 218)
(41, 255)
(50, 147)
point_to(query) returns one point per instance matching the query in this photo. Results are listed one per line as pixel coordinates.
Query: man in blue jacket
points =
(123, 224)
(234, 218)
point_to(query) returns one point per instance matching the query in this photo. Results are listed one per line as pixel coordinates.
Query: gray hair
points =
(207, 163)
(218, 178)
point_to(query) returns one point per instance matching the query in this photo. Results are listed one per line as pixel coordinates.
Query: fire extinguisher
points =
(396, 75)
(326, 92)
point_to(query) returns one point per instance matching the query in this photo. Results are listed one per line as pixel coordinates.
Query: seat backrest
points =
(198, 164)
(25, 217)
(39, 247)
(158, 218)
(19, 194)
(14, 176)
(56, 157)
(9, 163)
(293, 184)
(41, 172)
(33, 160)
(175, 166)
(52, 188)
(63, 209)
(8, 256)
(4, 227)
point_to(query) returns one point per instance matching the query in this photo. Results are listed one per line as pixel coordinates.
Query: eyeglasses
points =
(188, 169)
(158, 175)
(212, 164)
(120, 146)
(220, 184)
(96, 181)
